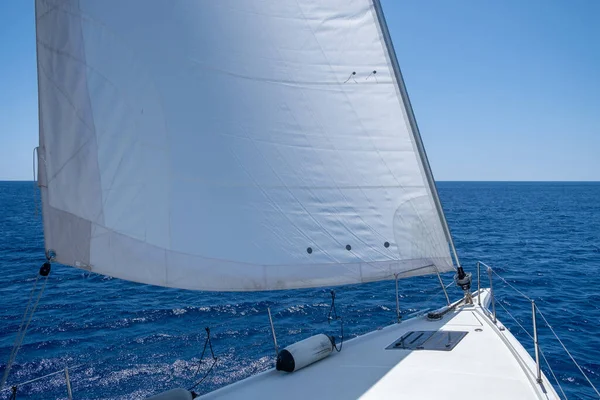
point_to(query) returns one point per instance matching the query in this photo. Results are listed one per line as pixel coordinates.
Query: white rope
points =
(21, 332)
(568, 352)
(552, 372)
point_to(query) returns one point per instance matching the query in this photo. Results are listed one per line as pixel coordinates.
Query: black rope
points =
(335, 317)
(332, 309)
(208, 343)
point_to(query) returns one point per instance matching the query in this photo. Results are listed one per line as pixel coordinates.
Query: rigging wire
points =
(568, 352)
(552, 372)
(514, 319)
(553, 333)
(336, 317)
(540, 348)
(27, 316)
(14, 388)
(208, 343)
(437, 291)
(511, 286)
(13, 395)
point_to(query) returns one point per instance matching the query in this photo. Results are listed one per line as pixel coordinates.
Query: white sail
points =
(231, 145)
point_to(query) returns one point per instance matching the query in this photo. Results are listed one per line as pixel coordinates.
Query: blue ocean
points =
(124, 340)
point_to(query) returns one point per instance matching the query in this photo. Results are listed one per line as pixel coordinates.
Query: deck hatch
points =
(428, 340)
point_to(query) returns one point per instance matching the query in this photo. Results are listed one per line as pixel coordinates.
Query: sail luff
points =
(41, 167)
(413, 123)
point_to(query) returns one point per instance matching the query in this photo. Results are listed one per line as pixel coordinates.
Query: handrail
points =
(535, 310)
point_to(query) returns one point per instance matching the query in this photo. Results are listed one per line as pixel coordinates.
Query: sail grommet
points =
(352, 75)
(348, 247)
(309, 250)
(45, 269)
(386, 244)
(372, 74)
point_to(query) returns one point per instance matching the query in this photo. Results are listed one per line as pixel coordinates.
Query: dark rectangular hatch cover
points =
(428, 340)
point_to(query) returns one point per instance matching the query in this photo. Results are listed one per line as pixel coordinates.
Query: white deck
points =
(490, 364)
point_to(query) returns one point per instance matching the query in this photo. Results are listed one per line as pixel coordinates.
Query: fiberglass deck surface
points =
(487, 363)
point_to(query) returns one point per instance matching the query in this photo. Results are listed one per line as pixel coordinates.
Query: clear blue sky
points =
(502, 90)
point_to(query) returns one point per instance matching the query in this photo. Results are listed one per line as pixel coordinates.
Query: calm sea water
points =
(133, 340)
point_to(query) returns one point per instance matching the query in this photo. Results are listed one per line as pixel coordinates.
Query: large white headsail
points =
(231, 145)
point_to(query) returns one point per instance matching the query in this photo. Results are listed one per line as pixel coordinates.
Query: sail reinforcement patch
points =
(428, 340)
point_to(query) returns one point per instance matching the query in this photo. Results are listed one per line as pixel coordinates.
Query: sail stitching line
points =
(325, 137)
(85, 143)
(360, 121)
(91, 129)
(331, 143)
(308, 213)
(274, 204)
(252, 140)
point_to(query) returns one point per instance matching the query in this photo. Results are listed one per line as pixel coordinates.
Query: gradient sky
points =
(502, 90)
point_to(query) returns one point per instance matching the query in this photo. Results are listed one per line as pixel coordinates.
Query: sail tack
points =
(230, 145)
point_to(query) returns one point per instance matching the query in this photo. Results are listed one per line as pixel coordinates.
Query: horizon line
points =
(438, 181)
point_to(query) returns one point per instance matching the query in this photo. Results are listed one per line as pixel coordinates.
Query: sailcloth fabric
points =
(230, 145)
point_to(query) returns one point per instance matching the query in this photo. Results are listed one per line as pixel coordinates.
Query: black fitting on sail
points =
(45, 269)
